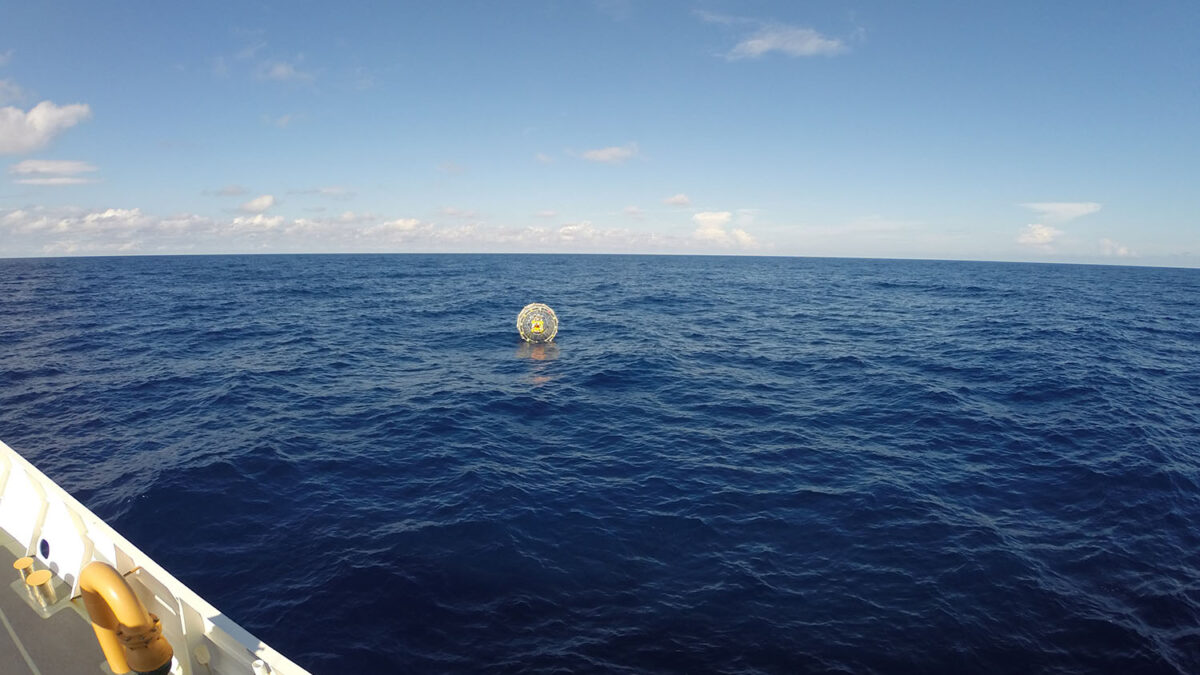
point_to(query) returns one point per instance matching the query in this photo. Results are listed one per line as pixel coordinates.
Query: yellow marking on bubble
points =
(537, 323)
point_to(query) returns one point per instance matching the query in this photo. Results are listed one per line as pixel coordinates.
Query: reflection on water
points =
(541, 353)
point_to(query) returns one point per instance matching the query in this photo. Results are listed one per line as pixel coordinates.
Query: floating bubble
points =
(537, 323)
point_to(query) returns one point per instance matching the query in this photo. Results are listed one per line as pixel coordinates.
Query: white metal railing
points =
(51, 526)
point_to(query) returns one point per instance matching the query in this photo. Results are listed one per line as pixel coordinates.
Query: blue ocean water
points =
(732, 465)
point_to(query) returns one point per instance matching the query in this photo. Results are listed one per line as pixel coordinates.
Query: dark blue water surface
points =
(730, 465)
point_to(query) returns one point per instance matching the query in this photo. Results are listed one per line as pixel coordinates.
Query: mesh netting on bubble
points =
(537, 323)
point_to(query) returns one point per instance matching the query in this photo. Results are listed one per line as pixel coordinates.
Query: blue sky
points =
(1064, 131)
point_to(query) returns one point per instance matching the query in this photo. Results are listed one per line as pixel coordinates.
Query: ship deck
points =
(61, 643)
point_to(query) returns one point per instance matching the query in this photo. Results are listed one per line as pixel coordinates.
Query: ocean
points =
(721, 465)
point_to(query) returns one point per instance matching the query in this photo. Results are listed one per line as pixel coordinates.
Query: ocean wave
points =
(734, 465)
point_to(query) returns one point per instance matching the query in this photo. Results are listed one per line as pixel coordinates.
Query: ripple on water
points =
(791, 465)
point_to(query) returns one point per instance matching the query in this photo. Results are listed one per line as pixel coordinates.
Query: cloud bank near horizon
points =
(77, 231)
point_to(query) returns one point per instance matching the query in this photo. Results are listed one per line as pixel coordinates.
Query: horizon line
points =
(597, 253)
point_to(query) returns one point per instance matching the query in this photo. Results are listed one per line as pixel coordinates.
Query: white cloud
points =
(452, 168)
(336, 191)
(25, 131)
(16, 220)
(790, 40)
(1061, 212)
(712, 219)
(1042, 235)
(331, 191)
(74, 246)
(723, 19)
(1037, 234)
(114, 219)
(72, 221)
(283, 71)
(5, 57)
(634, 212)
(251, 50)
(56, 180)
(182, 223)
(395, 231)
(282, 121)
(255, 224)
(544, 158)
(1109, 247)
(69, 230)
(50, 166)
(257, 59)
(579, 236)
(678, 200)
(228, 191)
(258, 204)
(455, 212)
(73, 230)
(51, 172)
(54, 166)
(582, 231)
(352, 217)
(10, 92)
(346, 224)
(710, 226)
(710, 229)
(743, 238)
(613, 154)
(546, 213)
(399, 225)
(775, 37)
